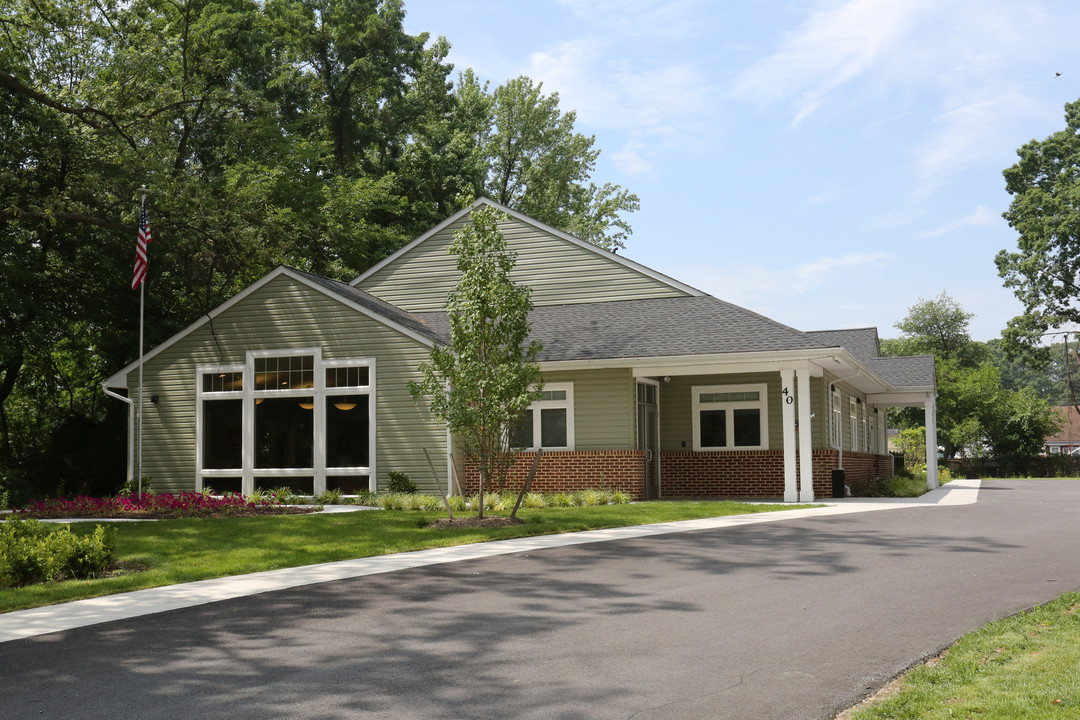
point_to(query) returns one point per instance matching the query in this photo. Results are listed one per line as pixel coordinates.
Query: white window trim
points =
(320, 394)
(567, 404)
(762, 404)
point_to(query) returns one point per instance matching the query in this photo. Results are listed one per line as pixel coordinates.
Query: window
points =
(286, 418)
(836, 426)
(549, 422)
(853, 421)
(730, 417)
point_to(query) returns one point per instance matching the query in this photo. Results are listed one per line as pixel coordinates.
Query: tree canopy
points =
(977, 414)
(1044, 272)
(314, 133)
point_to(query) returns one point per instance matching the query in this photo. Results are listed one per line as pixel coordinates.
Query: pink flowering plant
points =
(158, 506)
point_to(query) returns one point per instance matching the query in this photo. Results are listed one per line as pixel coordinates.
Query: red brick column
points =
(570, 471)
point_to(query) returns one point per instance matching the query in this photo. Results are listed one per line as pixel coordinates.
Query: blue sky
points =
(823, 162)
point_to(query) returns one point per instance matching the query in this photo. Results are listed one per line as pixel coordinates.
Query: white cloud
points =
(830, 49)
(980, 217)
(755, 286)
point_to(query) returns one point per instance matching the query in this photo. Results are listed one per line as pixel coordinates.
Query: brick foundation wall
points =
(740, 473)
(860, 469)
(573, 470)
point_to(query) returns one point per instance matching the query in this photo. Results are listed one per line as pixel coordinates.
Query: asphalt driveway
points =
(790, 619)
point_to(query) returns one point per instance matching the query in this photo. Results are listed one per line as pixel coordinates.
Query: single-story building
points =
(650, 385)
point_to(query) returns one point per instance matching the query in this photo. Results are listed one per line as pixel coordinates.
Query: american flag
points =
(140, 251)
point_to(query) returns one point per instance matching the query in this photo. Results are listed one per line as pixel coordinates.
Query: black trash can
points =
(838, 489)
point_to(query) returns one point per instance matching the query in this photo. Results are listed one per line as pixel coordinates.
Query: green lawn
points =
(175, 551)
(1027, 666)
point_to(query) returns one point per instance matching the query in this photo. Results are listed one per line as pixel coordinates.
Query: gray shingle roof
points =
(374, 304)
(653, 327)
(911, 371)
(659, 327)
(860, 342)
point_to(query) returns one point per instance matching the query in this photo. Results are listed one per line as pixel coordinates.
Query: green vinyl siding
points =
(604, 408)
(846, 393)
(558, 271)
(286, 315)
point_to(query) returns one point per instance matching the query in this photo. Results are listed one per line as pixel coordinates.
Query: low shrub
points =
(31, 552)
(534, 500)
(898, 486)
(400, 482)
(329, 497)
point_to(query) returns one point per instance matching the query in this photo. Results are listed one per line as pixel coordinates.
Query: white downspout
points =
(131, 426)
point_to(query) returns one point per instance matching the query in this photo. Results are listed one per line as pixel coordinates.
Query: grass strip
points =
(1023, 666)
(176, 551)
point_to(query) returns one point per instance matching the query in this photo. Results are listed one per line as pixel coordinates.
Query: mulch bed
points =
(492, 521)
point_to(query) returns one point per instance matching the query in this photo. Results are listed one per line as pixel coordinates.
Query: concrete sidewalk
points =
(80, 613)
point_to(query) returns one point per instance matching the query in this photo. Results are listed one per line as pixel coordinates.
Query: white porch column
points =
(787, 405)
(931, 441)
(806, 450)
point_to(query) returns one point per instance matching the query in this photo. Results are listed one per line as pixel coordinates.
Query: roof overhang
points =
(838, 362)
(903, 397)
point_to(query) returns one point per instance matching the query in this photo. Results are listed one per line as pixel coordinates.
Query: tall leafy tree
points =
(977, 415)
(1044, 271)
(538, 164)
(482, 383)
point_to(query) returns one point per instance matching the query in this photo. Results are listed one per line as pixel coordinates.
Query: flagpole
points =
(142, 305)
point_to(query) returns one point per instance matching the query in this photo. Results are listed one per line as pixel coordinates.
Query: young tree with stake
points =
(482, 383)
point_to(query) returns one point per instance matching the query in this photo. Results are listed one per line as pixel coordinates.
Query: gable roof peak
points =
(544, 227)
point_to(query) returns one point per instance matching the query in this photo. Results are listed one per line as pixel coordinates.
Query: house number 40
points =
(788, 397)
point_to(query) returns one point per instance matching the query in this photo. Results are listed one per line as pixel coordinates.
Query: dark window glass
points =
(299, 485)
(223, 382)
(713, 428)
(221, 485)
(284, 432)
(285, 373)
(347, 377)
(347, 431)
(222, 434)
(553, 427)
(347, 484)
(747, 427)
(522, 435)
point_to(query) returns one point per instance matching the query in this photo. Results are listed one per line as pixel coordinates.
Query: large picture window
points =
(287, 418)
(549, 422)
(730, 417)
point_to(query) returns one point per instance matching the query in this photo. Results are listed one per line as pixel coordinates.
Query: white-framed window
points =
(549, 422)
(872, 436)
(730, 417)
(853, 421)
(286, 417)
(836, 425)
